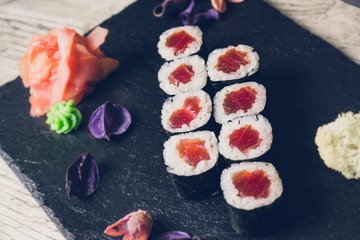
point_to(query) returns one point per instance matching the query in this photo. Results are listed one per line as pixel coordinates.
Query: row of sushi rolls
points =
(201, 164)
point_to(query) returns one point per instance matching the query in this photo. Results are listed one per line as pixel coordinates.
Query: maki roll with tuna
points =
(183, 75)
(179, 42)
(192, 163)
(252, 191)
(245, 137)
(239, 100)
(186, 111)
(232, 63)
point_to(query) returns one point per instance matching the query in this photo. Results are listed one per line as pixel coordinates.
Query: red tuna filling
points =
(231, 61)
(252, 184)
(245, 138)
(192, 151)
(186, 113)
(182, 74)
(242, 99)
(179, 41)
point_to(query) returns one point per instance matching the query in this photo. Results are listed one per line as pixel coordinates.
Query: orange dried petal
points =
(219, 5)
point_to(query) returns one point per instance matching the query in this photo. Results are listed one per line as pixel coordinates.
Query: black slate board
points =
(308, 83)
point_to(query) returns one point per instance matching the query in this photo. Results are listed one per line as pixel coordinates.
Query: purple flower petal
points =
(189, 18)
(185, 15)
(82, 176)
(200, 18)
(109, 119)
(168, 6)
(172, 235)
(97, 123)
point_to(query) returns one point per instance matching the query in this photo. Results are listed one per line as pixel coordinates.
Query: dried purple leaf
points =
(188, 10)
(172, 235)
(109, 119)
(185, 15)
(189, 18)
(82, 176)
(200, 18)
(168, 6)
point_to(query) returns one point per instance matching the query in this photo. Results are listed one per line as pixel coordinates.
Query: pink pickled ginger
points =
(63, 65)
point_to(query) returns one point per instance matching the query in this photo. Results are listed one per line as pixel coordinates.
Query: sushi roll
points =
(253, 190)
(239, 100)
(179, 42)
(192, 163)
(186, 111)
(183, 75)
(245, 137)
(232, 63)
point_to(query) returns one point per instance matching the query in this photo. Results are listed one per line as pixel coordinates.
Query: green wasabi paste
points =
(63, 117)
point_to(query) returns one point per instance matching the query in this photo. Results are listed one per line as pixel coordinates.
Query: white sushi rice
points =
(193, 47)
(258, 106)
(249, 202)
(198, 81)
(253, 64)
(176, 102)
(178, 166)
(257, 122)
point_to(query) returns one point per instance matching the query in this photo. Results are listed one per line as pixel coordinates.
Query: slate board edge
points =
(30, 185)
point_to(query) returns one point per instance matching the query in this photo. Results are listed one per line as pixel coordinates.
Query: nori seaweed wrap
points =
(252, 191)
(192, 160)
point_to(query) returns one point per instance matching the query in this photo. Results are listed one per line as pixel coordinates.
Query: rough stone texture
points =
(21, 217)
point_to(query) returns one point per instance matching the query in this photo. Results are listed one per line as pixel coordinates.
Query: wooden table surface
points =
(20, 215)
